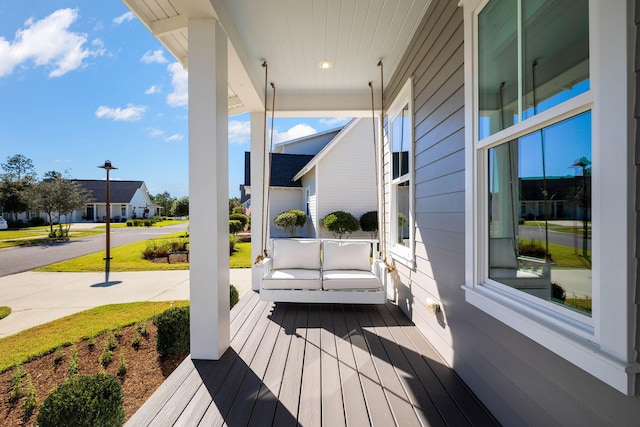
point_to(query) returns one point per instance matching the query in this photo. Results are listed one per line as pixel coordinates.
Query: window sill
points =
(403, 255)
(554, 335)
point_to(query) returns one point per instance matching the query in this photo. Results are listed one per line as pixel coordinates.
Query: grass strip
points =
(44, 339)
(241, 258)
(4, 311)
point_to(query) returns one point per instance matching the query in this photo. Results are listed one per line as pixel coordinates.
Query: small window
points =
(400, 141)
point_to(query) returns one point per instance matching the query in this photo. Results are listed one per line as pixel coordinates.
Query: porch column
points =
(257, 194)
(95, 212)
(208, 189)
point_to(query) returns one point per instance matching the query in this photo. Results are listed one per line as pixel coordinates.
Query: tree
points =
(58, 197)
(17, 178)
(165, 200)
(341, 223)
(235, 206)
(180, 207)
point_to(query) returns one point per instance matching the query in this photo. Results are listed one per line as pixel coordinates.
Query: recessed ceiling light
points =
(325, 65)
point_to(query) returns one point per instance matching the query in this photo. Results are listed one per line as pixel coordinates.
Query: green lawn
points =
(4, 311)
(35, 235)
(157, 224)
(567, 256)
(128, 258)
(44, 339)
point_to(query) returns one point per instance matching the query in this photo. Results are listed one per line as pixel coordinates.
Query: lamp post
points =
(583, 163)
(107, 166)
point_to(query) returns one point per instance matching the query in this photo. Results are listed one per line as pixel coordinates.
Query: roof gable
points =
(283, 169)
(119, 191)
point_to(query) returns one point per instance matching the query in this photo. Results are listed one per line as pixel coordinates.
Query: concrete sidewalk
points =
(36, 298)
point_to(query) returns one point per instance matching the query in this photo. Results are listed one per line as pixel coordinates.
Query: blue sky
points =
(84, 81)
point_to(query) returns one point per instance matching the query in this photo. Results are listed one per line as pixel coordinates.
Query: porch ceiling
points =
(294, 37)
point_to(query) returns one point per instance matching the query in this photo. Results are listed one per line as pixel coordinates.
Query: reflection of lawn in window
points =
(581, 304)
(569, 257)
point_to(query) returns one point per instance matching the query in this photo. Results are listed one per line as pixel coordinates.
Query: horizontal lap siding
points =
(520, 381)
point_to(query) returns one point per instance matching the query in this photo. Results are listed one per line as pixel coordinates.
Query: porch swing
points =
(339, 271)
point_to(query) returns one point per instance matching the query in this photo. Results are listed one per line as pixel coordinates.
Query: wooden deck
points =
(312, 365)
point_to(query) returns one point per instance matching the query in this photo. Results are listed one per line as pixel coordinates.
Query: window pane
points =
(497, 66)
(555, 52)
(540, 213)
(402, 209)
(400, 140)
(553, 47)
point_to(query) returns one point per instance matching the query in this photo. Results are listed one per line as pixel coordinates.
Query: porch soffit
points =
(294, 37)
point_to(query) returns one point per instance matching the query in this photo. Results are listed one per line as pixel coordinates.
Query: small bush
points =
(173, 331)
(232, 243)
(111, 342)
(105, 357)
(148, 223)
(289, 220)
(531, 247)
(235, 226)
(129, 223)
(36, 221)
(16, 384)
(91, 344)
(162, 251)
(239, 217)
(122, 366)
(341, 223)
(141, 328)
(85, 401)
(369, 223)
(135, 342)
(74, 364)
(558, 292)
(31, 398)
(58, 356)
(233, 295)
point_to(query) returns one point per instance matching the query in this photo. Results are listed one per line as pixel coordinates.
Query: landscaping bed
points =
(145, 371)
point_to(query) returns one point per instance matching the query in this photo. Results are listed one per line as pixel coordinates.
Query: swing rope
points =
(381, 218)
(266, 189)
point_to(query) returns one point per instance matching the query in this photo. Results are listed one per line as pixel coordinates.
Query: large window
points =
(547, 139)
(400, 140)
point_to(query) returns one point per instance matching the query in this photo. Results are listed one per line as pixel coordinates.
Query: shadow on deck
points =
(301, 364)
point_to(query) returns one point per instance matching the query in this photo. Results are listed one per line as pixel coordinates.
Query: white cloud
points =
(48, 43)
(298, 131)
(176, 137)
(154, 56)
(154, 133)
(131, 113)
(239, 132)
(334, 121)
(179, 97)
(127, 16)
(153, 89)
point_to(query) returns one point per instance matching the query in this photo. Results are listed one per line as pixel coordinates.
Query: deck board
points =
(316, 364)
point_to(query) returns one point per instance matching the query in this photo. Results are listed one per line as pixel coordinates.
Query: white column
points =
(208, 189)
(257, 194)
(95, 212)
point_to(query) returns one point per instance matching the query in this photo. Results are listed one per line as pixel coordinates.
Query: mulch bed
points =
(145, 372)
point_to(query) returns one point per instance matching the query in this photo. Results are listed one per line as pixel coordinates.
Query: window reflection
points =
(540, 213)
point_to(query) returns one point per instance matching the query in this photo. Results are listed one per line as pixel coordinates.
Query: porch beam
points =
(208, 189)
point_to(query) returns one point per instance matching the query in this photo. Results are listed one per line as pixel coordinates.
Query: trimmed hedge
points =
(341, 223)
(84, 401)
(369, 223)
(173, 331)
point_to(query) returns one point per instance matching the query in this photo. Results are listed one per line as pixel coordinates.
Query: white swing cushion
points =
(292, 279)
(295, 254)
(345, 255)
(335, 280)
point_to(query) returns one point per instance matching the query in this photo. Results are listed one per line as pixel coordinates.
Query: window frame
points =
(603, 344)
(401, 253)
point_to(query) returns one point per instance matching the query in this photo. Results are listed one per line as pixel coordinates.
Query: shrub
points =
(129, 223)
(135, 342)
(58, 356)
(341, 223)
(289, 220)
(173, 331)
(31, 398)
(74, 364)
(235, 226)
(122, 366)
(36, 221)
(239, 217)
(148, 223)
(369, 223)
(558, 292)
(233, 296)
(531, 247)
(16, 384)
(232, 243)
(105, 357)
(84, 401)
(162, 251)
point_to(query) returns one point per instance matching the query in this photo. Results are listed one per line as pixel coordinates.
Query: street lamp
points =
(107, 166)
(583, 163)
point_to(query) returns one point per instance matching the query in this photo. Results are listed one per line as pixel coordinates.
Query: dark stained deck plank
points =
(377, 404)
(316, 364)
(332, 406)
(395, 392)
(355, 405)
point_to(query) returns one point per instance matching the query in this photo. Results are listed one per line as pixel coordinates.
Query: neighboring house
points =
(128, 199)
(329, 171)
(474, 92)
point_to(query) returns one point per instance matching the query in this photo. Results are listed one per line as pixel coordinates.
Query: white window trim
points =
(403, 254)
(602, 345)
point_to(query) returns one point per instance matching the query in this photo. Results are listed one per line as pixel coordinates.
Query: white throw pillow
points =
(345, 255)
(296, 254)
